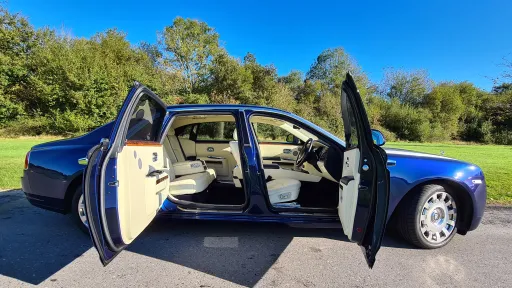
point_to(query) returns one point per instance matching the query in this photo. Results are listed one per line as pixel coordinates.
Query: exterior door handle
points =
(287, 151)
(391, 163)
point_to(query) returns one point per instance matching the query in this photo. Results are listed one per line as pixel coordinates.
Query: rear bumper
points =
(48, 203)
(25, 186)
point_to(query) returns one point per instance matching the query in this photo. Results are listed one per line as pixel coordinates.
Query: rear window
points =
(216, 131)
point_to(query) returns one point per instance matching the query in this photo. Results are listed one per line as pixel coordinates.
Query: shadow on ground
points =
(35, 244)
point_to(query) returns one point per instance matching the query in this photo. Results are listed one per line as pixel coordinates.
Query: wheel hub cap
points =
(438, 217)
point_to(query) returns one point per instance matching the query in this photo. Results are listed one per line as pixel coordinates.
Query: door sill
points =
(305, 210)
(188, 205)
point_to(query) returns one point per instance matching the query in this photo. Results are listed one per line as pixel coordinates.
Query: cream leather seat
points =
(237, 171)
(279, 190)
(187, 177)
(190, 184)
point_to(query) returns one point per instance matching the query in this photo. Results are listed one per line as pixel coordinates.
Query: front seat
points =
(279, 190)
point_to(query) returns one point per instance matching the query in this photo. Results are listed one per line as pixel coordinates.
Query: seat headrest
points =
(140, 114)
(171, 132)
(235, 135)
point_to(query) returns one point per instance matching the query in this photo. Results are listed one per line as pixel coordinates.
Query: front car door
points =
(364, 185)
(125, 182)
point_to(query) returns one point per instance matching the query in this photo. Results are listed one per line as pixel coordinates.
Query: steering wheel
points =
(304, 153)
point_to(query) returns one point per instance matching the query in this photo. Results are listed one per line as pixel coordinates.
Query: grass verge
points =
(12, 158)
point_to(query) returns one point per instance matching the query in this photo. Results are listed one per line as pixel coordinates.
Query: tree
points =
(330, 69)
(331, 66)
(189, 47)
(294, 80)
(445, 106)
(502, 88)
(507, 64)
(407, 87)
(229, 81)
(17, 41)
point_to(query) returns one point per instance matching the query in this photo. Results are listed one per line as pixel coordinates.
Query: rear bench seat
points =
(187, 177)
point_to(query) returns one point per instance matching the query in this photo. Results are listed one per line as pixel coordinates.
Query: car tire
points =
(75, 210)
(428, 219)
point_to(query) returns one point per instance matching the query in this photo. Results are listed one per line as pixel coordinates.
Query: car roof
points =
(184, 107)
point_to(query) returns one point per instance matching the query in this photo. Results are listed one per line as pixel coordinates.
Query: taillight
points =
(26, 160)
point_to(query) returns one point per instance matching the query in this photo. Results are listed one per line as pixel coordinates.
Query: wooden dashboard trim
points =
(142, 143)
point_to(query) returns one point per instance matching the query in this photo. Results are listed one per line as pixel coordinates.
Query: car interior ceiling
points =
(203, 161)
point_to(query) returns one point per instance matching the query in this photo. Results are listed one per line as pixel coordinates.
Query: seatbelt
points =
(182, 151)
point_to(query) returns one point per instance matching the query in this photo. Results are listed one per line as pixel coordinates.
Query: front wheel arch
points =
(465, 209)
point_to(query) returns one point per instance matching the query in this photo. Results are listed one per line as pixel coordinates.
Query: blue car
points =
(250, 163)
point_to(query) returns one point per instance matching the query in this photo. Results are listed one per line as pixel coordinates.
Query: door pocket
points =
(156, 188)
(347, 204)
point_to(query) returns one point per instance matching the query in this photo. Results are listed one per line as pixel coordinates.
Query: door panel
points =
(219, 156)
(349, 190)
(281, 152)
(124, 186)
(364, 185)
(139, 201)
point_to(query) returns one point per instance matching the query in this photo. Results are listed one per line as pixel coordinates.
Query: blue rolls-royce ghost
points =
(250, 163)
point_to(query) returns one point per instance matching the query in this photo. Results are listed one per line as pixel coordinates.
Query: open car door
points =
(125, 183)
(364, 185)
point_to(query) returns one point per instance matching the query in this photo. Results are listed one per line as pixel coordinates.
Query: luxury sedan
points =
(250, 163)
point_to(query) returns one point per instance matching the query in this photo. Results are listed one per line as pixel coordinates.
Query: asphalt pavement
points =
(39, 247)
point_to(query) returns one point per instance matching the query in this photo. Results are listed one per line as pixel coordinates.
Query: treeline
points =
(52, 83)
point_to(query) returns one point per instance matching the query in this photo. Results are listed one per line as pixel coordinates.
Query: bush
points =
(406, 122)
(477, 130)
(27, 126)
(503, 137)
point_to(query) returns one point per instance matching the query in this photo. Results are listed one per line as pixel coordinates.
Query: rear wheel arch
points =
(464, 206)
(70, 191)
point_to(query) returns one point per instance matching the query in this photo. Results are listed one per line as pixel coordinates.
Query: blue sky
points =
(452, 40)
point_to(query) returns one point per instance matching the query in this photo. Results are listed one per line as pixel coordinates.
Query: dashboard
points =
(324, 161)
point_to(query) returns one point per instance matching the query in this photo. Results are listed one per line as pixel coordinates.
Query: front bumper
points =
(479, 201)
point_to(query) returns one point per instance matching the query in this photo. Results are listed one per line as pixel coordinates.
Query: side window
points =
(270, 133)
(186, 131)
(351, 137)
(146, 120)
(216, 131)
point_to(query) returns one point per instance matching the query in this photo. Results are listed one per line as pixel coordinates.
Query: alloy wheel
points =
(438, 217)
(81, 211)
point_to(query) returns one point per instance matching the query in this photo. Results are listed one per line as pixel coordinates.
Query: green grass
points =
(496, 162)
(12, 159)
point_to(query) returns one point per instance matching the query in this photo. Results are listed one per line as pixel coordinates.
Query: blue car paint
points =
(412, 169)
(53, 166)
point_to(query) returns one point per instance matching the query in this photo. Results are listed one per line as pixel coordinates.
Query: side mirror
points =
(378, 138)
